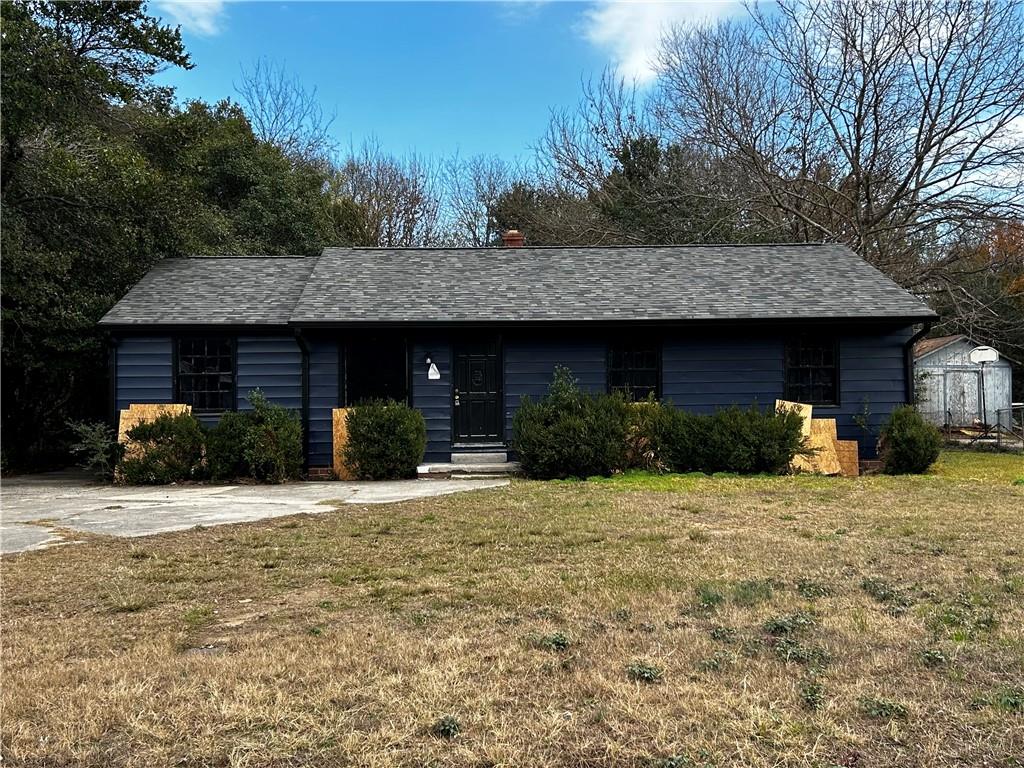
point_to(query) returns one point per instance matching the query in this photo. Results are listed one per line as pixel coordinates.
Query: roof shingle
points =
(511, 285)
(228, 290)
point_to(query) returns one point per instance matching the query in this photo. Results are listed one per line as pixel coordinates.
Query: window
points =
(812, 371)
(633, 368)
(206, 373)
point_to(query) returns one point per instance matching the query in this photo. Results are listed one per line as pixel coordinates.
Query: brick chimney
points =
(512, 238)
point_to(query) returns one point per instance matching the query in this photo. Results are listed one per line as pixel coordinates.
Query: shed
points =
(950, 389)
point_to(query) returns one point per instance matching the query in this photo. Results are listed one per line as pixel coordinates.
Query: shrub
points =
(386, 440)
(263, 444)
(272, 444)
(167, 450)
(750, 441)
(96, 447)
(225, 446)
(747, 441)
(570, 433)
(909, 444)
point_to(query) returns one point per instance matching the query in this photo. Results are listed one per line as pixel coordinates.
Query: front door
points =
(477, 393)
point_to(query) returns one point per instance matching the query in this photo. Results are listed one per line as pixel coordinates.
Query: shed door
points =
(962, 406)
(476, 395)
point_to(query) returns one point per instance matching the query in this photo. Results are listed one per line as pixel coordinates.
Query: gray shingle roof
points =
(509, 285)
(231, 290)
(602, 284)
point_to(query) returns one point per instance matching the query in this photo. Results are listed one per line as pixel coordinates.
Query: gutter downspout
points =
(112, 381)
(908, 360)
(304, 349)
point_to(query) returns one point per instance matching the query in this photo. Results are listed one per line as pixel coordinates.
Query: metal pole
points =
(984, 412)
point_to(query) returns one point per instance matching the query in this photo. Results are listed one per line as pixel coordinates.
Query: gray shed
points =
(949, 386)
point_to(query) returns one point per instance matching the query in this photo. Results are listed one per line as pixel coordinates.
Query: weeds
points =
(883, 709)
(779, 626)
(897, 603)
(812, 694)
(643, 672)
(556, 641)
(812, 589)
(446, 727)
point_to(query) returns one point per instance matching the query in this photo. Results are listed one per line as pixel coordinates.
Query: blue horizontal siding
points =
(530, 367)
(433, 398)
(272, 364)
(144, 373)
(323, 398)
(704, 374)
(872, 382)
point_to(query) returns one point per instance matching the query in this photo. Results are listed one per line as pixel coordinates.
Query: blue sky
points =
(431, 77)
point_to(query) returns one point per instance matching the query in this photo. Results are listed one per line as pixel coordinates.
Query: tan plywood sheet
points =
(340, 428)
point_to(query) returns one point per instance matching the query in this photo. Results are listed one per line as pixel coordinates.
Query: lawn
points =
(636, 621)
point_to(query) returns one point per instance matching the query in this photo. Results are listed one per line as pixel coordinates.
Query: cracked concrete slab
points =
(32, 508)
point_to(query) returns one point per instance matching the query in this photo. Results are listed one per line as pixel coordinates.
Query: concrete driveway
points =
(32, 508)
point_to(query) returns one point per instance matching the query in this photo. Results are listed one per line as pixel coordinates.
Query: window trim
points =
(657, 345)
(175, 372)
(837, 400)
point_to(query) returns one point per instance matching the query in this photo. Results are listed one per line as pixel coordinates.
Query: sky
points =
(436, 78)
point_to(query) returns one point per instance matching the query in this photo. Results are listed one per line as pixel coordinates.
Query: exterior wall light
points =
(432, 372)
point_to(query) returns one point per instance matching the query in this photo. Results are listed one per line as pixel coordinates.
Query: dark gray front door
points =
(476, 405)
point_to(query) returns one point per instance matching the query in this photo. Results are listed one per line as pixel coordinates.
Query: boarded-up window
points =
(812, 371)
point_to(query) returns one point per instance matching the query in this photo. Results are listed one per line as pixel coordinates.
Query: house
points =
(953, 390)
(464, 333)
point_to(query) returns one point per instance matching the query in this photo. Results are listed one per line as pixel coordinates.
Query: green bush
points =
(263, 444)
(908, 444)
(573, 434)
(168, 450)
(570, 433)
(272, 445)
(96, 447)
(747, 441)
(225, 446)
(386, 440)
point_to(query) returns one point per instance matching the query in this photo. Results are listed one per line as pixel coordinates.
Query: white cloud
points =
(201, 17)
(629, 30)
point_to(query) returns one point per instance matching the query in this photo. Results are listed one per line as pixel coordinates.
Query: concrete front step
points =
(453, 470)
(480, 457)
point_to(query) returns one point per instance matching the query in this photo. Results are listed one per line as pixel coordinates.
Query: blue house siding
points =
(700, 371)
(702, 374)
(530, 366)
(144, 372)
(872, 380)
(323, 398)
(272, 364)
(433, 398)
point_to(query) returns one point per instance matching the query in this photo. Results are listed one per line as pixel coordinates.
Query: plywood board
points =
(849, 457)
(339, 418)
(139, 413)
(804, 410)
(823, 460)
(824, 427)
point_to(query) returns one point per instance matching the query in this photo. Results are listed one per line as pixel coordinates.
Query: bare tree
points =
(396, 199)
(284, 112)
(472, 187)
(896, 126)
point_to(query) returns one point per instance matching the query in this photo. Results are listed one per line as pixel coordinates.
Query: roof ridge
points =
(575, 247)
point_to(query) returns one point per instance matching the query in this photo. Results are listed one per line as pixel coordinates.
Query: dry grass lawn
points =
(640, 621)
